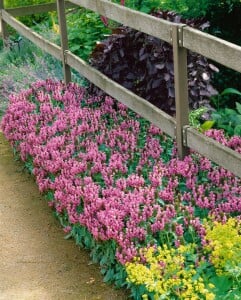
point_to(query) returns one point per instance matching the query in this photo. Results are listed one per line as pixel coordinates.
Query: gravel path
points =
(36, 262)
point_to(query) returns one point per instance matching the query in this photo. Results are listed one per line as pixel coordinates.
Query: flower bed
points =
(162, 227)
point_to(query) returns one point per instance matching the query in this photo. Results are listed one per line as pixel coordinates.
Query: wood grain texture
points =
(223, 52)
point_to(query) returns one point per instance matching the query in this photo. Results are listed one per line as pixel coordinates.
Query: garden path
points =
(36, 262)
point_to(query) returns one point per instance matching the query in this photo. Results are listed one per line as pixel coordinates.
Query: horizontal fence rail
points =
(34, 37)
(223, 52)
(180, 36)
(117, 91)
(140, 21)
(222, 155)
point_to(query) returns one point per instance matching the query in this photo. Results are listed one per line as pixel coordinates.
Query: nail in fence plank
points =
(64, 39)
(181, 89)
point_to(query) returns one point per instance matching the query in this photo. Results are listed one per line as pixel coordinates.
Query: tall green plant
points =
(194, 9)
(85, 28)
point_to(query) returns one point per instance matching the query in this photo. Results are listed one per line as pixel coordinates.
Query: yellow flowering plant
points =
(224, 250)
(166, 274)
(224, 246)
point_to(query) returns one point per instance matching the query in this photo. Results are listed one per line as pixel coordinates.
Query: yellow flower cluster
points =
(164, 274)
(224, 245)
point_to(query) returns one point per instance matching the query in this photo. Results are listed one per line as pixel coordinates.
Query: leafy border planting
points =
(117, 187)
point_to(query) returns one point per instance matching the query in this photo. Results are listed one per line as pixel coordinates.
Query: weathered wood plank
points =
(221, 51)
(137, 20)
(134, 102)
(223, 156)
(36, 9)
(32, 36)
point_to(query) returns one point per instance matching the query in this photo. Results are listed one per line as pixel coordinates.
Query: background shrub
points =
(225, 22)
(29, 20)
(144, 65)
(85, 28)
(141, 5)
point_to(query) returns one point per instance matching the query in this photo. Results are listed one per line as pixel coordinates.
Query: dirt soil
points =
(36, 262)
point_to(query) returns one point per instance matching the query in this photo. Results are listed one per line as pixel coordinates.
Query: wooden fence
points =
(180, 36)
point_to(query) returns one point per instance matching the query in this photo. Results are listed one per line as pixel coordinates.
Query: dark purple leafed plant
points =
(144, 65)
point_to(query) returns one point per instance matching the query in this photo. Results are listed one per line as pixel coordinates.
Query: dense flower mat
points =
(164, 228)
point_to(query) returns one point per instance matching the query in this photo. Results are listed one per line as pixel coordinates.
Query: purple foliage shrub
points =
(144, 65)
(109, 169)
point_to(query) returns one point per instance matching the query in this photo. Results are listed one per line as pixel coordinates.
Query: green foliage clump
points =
(85, 28)
(16, 3)
(226, 118)
(225, 23)
(229, 120)
(145, 6)
(188, 8)
(29, 20)
(195, 9)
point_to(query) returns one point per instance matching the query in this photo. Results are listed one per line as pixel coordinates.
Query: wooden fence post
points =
(64, 39)
(3, 26)
(181, 89)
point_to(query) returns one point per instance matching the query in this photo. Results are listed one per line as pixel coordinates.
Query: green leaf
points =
(238, 107)
(74, 47)
(109, 275)
(229, 111)
(216, 116)
(230, 91)
(68, 236)
(207, 125)
(237, 130)
(182, 187)
(222, 284)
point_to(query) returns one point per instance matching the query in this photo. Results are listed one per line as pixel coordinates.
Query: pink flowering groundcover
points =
(161, 227)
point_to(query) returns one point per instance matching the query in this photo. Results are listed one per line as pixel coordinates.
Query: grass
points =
(22, 63)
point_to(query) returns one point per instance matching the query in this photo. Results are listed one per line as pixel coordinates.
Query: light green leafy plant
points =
(85, 28)
(195, 119)
(227, 118)
(220, 100)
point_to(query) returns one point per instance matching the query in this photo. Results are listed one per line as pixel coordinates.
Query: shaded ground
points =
(35, 260)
